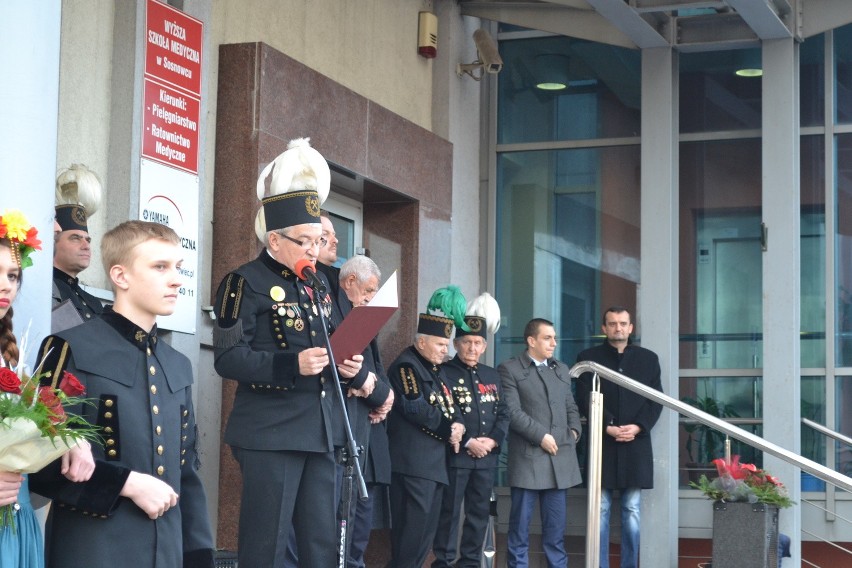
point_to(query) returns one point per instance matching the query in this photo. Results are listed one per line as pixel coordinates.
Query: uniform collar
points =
(130, 331)
(457, 360)
(60, 275)
(426, 362)
(267, 260)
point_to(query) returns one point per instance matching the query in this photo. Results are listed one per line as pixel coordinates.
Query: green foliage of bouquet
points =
(743, 482)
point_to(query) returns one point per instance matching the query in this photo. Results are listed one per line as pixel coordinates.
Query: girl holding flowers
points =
(20, 534)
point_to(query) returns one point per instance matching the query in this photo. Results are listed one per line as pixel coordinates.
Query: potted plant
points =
(746, 501)
(703, 443)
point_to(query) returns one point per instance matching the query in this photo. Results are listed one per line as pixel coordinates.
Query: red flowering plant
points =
(35, 429)
(743, 482)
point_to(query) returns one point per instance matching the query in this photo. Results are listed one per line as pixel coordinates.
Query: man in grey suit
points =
(544, 425)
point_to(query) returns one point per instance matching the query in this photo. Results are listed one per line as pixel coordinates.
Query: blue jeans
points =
(552, 503)
(631, 501)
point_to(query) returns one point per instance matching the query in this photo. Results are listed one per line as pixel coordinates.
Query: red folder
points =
(364, 322)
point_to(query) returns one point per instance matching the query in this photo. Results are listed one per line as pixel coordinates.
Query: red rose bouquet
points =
(35, 429)
(743, 482)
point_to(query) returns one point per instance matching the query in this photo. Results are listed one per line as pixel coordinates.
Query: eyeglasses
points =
(306, 244)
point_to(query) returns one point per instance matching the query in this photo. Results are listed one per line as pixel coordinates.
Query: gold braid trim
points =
(54, 363)
(232, 296)
(409, 383)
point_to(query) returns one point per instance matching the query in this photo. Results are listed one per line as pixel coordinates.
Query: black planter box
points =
(745, 535)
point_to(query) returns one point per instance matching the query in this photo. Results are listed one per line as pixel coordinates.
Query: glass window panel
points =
(843, 74)
(713, 97)
(843, 250)
(726, 398)
(813, 251)
(813, 408)
(345, 231)
(843, 396)
(812, 81)
(601, 98)
(721, 278)
(568, 241)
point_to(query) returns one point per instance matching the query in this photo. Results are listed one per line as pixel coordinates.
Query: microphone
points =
(306, 271)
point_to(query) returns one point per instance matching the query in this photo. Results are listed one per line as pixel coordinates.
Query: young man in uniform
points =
(144, 504)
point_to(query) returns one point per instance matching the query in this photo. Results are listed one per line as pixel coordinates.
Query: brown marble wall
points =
(265, 99)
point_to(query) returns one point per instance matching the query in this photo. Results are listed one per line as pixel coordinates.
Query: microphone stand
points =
(349, 454)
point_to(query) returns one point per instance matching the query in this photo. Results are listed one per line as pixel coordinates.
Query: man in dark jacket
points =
(144, 505)
(479, 399)
(268, 338)
(79, 194)
(423, 422)
(628, 419)
(359, 281)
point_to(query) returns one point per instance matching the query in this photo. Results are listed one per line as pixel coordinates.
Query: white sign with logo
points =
(170, 197)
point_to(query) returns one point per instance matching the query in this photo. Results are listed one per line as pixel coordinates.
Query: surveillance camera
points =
(489, 60)
(489, 55)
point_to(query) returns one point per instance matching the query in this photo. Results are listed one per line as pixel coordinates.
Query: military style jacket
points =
(265, 318)
(478, 397)
(141, 392)
(66, 287)
(420, 423)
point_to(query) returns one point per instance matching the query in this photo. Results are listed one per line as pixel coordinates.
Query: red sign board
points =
(170, 123)
(172, 87)
(173, 47)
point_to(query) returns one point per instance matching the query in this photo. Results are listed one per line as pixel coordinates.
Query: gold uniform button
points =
(110, 442)
(186, 412)
(112, 453)
(107, 415)
(183, 452)
(160, 450)
(109, 402)
(148, 351)
(153, 389)
(158, 430)
(160, 470)
(155, 409)
(108, 429)
(322, 394)
(152, 370)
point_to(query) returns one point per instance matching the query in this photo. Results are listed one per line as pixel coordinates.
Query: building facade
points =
(715, 206)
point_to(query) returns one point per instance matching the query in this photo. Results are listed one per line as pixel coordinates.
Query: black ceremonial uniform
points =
(479, 403)
(375, 459)
(280, 428)
(66, 287)
(141, 390)
(419, 430)
(358, 410)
